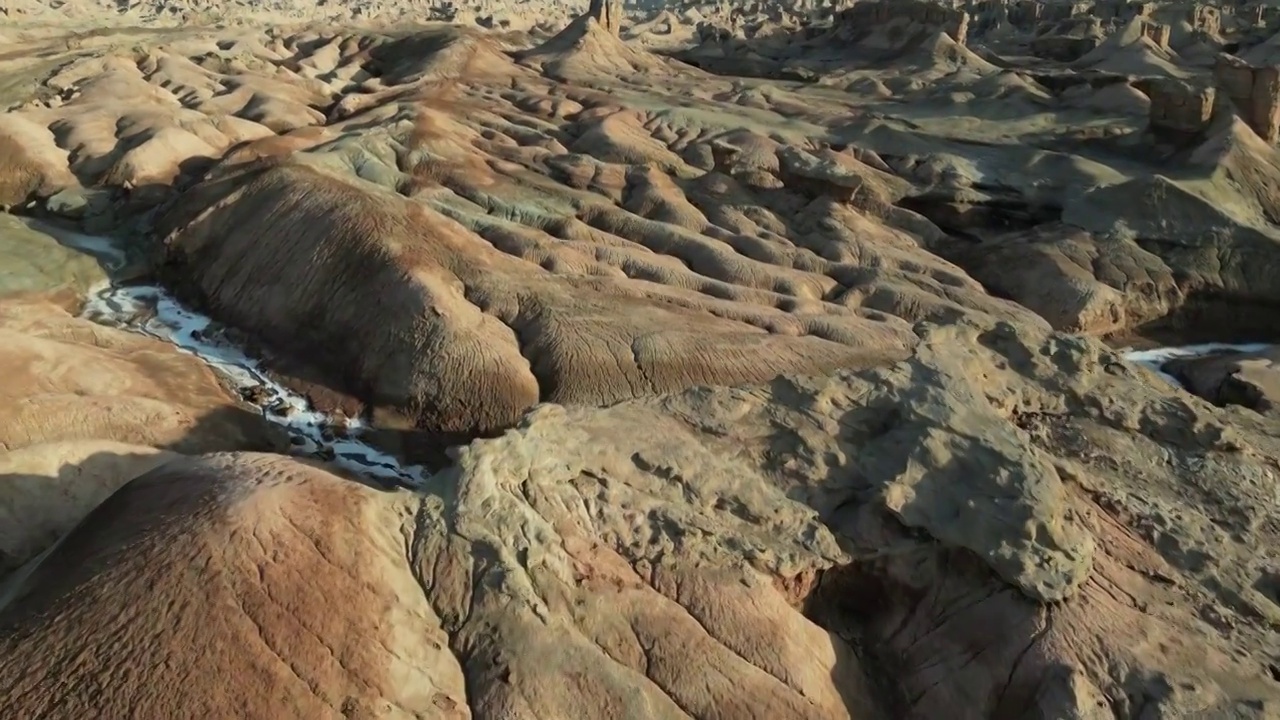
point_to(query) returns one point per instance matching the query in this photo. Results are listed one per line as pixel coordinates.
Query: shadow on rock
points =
(47, 488)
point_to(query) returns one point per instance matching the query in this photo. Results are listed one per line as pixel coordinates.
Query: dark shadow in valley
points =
(1213, 317)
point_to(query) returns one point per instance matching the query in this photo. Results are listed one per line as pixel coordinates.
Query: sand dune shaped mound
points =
(134, 123)
(1187, 224)
(663, 23)
(438, 617)
(1264, 53)
(683, 571)
(438, 55)
(1213, 225)
(468, 336)
(1240, 161)
(1200, 245)
(884, 30)
(941, 53)
(241, 556)
(1078, 281)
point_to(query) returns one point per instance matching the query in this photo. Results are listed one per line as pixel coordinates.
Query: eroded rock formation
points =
(565, 549)
(1255, 93)
(608, 13)
(867, 15)
(758, 395)
(1180, 111)
(89, 408)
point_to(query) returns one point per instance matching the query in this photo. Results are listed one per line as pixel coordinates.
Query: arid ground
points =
(724, 361)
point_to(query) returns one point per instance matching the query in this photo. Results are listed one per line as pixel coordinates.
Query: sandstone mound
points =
(34, 261)
(941, 53)
(32, 164)
(752, 445)
(137, 124)
(668, 29)
(438, 56)
(266, 543)
(884, 30)
(470, 336)
(433, 626)
(1227, 203)
(86, 408)
(1265, 53)
(1241, 164)
(1054, 271)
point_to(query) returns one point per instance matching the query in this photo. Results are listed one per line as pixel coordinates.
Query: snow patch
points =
(1155, 359)
(148, 309)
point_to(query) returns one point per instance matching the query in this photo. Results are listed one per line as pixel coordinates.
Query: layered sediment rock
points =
(1254, 92)
(608, 13)
(89, 408)
(1180, 112)
(755, 535)
(867, 15)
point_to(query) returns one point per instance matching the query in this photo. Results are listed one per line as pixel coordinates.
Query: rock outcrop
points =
(756, 552)
(1206, 19)
(1248, 379)
(758, 396)
(468, 338)
(1157, 33)
(1255, 93)
(1180, 112)
(608, 14)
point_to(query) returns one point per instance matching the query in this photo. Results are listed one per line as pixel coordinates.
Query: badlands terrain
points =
(383, 359)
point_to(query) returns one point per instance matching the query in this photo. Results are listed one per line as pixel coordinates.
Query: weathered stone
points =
(1180, 111)
(1157, 33)
(608, 13)
(954, 23)
(1254, 92)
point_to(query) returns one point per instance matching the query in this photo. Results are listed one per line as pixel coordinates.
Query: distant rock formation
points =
(1205, 18)
(1254, 91)
(1157, 33)
(1180, 111)
(872, 14)
(608, 13)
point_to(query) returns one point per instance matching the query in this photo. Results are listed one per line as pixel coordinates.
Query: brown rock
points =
(467, 338)
(1180, 112)
(759, 450)
(86, 408)
(865, 16)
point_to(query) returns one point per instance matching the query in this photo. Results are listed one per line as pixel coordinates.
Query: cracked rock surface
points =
(974, 527)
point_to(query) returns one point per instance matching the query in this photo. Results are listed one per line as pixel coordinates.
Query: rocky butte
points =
(520, 361)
